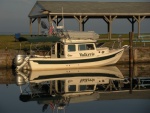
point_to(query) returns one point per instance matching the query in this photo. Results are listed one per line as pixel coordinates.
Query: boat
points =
(64, 74)
(70, 49)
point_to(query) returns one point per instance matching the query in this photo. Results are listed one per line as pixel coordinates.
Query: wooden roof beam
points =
(139, 19)
(81, 21)
(109, 19)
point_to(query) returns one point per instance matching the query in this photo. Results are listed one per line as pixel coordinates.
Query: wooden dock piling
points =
(131, 69)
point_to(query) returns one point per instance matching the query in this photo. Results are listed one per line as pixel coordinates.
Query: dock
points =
(140, 55)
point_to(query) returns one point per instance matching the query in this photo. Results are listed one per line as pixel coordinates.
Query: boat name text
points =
(86, 54)
(87, 80)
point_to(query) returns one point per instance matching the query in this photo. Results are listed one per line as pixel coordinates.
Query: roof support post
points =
(109, 20)
(107, 24)
(139, 19)
(55, 17)
(53, 20)
(50, 19)
(81, 22)
(30, 26)
(57, 21)
(34, 20)
(39, 26)
(84, 21)
(132, 21)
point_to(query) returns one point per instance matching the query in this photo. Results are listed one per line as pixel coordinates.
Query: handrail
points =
(141, 38)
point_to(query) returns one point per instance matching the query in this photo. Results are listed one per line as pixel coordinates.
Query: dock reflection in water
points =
(60, 88)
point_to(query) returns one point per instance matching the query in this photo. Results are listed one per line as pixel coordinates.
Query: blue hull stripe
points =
(75, 61)
(41, 77)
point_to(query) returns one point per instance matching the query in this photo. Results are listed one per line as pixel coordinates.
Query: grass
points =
(8, 41)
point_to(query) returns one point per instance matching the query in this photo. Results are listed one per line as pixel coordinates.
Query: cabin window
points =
(53, 49)
(72, 88)
(71, 48)
(82, 47)
(86, 87)
(89, 46)
(86, 47)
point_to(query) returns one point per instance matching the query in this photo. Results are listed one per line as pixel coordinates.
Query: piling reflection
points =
(59, 88)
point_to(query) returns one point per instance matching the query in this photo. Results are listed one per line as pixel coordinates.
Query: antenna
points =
(62, 17)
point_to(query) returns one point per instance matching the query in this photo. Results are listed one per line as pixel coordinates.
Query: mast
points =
(62, 18)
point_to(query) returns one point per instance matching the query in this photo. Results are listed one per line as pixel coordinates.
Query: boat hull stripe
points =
(75, 75)
(75, 61)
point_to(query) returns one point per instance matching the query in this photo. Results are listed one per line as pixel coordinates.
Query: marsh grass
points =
(9, 42)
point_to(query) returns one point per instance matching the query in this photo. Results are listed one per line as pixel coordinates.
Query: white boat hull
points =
(63, 63)
(103, 72)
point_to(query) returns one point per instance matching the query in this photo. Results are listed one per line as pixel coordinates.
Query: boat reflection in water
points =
(59, 88)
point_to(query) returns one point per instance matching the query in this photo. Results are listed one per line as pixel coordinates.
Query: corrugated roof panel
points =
(36, 10)
(93, 7)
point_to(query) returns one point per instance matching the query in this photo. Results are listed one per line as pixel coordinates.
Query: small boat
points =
(69, 50)
(100, 75)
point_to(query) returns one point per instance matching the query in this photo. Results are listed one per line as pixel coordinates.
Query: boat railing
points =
(119, 42)
(61, 32)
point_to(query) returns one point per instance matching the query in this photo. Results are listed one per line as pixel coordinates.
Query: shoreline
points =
(140, 55)
(7, 75)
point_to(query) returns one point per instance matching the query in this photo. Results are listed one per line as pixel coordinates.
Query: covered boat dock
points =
(82, 11)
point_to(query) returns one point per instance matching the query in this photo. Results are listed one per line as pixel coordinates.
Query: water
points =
(101, 90)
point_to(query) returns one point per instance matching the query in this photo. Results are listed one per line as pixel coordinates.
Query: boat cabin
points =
(74, 86)
(68, 48)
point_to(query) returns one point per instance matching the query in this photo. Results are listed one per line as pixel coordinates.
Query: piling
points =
(131, 69)
(130, 47)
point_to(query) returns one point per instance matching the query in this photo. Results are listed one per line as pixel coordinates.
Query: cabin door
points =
(58, 50)
(55, 50)
(61, 86)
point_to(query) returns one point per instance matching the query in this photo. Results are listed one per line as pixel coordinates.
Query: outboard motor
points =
(19, 59)
(20, 80)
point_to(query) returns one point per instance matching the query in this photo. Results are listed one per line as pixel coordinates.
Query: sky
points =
(14, 18)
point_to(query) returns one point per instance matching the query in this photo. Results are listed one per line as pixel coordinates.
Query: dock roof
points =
(71, 8)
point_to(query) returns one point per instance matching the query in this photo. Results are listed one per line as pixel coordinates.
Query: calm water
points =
(100, 90)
